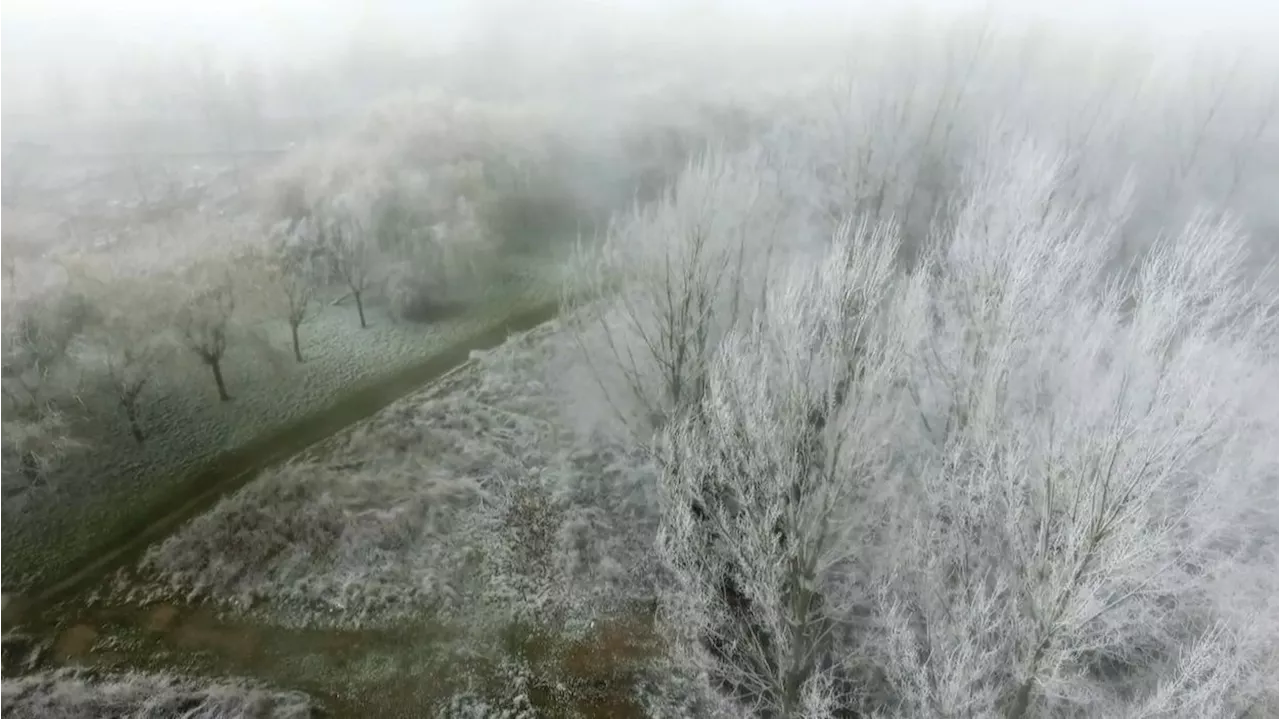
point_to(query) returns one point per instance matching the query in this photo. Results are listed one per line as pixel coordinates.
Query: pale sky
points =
(85, 29)
(85, 26)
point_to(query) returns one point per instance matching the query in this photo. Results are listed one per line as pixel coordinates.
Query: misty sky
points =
(271, 29)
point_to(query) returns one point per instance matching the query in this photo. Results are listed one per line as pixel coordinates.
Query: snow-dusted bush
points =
(80, 694)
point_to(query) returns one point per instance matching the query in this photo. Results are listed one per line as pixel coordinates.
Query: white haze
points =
(81, 42)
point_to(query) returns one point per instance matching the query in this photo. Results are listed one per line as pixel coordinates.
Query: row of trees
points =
(108, 325)
(416, 207)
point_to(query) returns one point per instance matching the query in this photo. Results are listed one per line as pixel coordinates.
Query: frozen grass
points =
(78, 694)
(47, 530)
(472, 500)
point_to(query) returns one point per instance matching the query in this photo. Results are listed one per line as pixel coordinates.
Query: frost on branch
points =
(1008, 481)
(672, 278)
(1090, 451)
(765, 484)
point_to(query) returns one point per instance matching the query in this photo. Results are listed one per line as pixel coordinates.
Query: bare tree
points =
(290, 265)
(764, 486)
(670, 280)
(40, 374)
(881, 140)
(128, 343)
(1089, 453)
(204, 320)
(1005, 482)
(350, 247)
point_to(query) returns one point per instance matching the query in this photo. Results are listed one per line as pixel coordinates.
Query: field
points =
(271, 392)
(466, 513)
(461, 497)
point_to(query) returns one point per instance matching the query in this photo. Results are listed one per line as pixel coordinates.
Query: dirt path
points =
(409, 671)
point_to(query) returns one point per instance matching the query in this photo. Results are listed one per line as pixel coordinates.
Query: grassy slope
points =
(47, 534)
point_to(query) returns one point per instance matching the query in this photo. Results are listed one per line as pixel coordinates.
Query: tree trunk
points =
(297, 349)
(215, 366)
(30, 466)
(135, 427)
(360, 309)
(1022, 699)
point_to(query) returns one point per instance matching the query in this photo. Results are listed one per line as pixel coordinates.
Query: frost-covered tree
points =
(671, 279)
(436, 246)
(349, 243)
(40, 375)
(1062, 545)
(891, 122)
(292, 271)
(128, 344)
(204, 322)
(765, 484)
(1009, 481)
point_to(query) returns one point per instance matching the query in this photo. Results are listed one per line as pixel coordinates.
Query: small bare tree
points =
(350, 245)
(204, 320)
(290, 266)
(128, 343)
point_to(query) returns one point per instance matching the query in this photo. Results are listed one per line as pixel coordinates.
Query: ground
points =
(438, 502)
(188, 428)
(468, 510)
(465, 533)
(77, 694)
